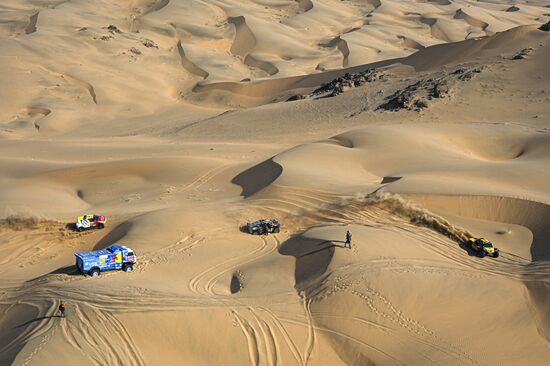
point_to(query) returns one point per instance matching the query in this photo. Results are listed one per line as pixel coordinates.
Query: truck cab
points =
(111, 258)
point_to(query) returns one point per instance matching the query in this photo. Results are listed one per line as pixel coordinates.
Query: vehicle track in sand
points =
(93, 331)
(380, 307)
(203, 179)
(266, 336)
(44, 328)
(291, 344)
(178, 250)
(308, 212)
(265, 331)
(203, 282)
(35, 242)
(347, 337)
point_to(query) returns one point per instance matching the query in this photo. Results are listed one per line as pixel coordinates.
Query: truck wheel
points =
(497, 253)
(94, 272)
(100, 225)
(482, 254)
(80, 229)
(128, 268)
(277, 230)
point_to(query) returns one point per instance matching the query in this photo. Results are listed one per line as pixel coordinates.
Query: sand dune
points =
(414, 124)
(288, 40)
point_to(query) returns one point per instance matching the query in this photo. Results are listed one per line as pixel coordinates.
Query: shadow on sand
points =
(119, 232)
(258, 177)
(36, 320)
(313, 257)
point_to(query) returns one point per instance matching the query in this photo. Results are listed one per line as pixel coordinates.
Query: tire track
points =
(204, 178)
(310, 343)
(348, 337)
(204, 281)
(390, 313)
(97, 335)
(181, 247)
(250, 334)
(45, 329)
(288, 340)
(428, 229)
(269, 339)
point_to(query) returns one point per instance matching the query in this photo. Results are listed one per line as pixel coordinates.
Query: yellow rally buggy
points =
(483, 247)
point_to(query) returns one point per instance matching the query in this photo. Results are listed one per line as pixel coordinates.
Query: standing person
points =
(348, 239)
(61, 308)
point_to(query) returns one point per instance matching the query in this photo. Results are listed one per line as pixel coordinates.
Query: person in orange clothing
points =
(61, 309)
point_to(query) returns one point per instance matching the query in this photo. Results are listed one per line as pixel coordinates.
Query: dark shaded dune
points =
(354, 29)
(265, 66)
(258, 177)
(305, 5)
(32, 111)
(460, 14)
(434, 29)
(235, 285)
(244, 41)
(512, 8)
(83, 84)
(313, 257)
(244, 44)
(31, 28)
(188, 65)
(409, 43)
(338, 141)
(157, 6)
(539, 292)
(272, 87)
(375, 3)
(118, 233)
(342, 46)
(17, 22)
(387, 180)
(15, 333)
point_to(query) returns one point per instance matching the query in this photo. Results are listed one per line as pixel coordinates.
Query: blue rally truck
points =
(108, 259)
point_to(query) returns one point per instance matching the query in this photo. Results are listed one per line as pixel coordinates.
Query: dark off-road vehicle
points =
(263, 227)
(483, 247)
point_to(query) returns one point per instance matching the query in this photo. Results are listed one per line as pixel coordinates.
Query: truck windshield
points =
(109, 249)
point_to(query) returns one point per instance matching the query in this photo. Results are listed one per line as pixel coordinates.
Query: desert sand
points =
(413, 124)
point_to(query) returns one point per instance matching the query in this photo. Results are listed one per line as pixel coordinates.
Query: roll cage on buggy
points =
(263, 227)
